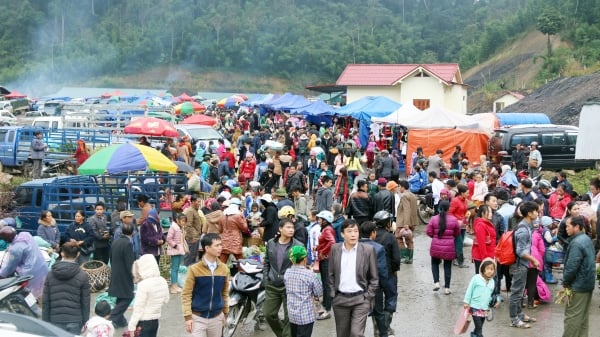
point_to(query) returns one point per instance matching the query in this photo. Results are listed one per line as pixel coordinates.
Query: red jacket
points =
(558, 207)
(247, 169)
(458, 208)
(326, 241)
(230, 157)
(484, 244)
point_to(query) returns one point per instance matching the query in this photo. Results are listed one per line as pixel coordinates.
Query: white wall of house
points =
(503, 102)
(354, 93)
(456, 99)
(453, 98)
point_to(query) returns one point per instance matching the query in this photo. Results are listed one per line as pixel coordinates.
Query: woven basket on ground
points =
(99, 274)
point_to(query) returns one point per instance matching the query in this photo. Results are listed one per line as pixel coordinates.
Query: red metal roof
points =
(389, 74)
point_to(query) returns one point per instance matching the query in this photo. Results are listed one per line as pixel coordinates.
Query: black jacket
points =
(295, 181)
(121, 276)
(384, 201)
(392, 251)
(66, 296)
(270, 222)
(272, 274)
(359, 205)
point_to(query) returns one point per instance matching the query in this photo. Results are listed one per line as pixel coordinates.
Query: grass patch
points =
(581, 180)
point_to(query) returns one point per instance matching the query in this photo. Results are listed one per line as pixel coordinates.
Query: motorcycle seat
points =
(11, 281)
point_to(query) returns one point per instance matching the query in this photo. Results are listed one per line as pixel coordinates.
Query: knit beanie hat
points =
(297, 253)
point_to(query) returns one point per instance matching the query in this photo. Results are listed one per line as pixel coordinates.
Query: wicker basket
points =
(99, 274)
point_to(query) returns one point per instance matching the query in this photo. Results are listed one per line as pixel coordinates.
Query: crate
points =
(554, 256)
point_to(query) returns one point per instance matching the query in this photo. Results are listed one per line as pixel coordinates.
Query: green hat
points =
(236, 190)
(297, 254)
(281, 192)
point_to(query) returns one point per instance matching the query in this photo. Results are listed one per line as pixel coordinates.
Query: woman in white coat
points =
(152, 292)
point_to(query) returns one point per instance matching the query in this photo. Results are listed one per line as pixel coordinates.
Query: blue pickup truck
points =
(65, 195)
(15, 143)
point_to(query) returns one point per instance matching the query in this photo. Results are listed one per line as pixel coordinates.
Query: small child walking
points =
(479, 295)
(302, 287)
(176, 248)
(99, 325)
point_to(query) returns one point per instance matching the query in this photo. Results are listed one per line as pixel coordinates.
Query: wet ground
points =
(421, 311)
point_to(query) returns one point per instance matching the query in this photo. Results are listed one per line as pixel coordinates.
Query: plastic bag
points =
(463, 322)
(181, 275)
(106, 297)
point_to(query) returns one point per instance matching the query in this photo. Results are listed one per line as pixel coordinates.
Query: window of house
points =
(499, 106)
(421, 104)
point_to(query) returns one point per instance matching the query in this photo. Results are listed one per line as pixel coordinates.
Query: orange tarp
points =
(472, 143)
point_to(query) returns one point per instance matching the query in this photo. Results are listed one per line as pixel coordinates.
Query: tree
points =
(550, 22)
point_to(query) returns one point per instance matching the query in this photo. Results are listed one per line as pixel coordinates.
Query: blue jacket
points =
(580, 266)
(205, 293)
(381, 260)
(337, 225)
(479, 293)
(417, 181)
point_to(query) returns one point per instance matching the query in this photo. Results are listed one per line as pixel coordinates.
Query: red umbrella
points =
(15, 94)
(185, 97)
(200, 120)
(117, 93)
(152, 127)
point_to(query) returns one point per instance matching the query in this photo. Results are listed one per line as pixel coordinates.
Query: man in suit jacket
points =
(121, 276)
(353, 281)
(406, 221)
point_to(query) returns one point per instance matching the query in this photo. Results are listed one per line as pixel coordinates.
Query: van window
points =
(23, 197)
(572, 138)
(554, 138)
(523, 138)
(3, 134)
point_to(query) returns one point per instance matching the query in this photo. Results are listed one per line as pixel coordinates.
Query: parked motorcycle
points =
(424, 204)
(15, 297)
(246, 295)
(61, 168)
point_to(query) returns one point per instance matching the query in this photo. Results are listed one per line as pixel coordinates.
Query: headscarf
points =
(297, 254)
(81, 145)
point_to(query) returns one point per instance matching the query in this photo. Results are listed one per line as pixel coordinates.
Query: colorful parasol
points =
(127, 157)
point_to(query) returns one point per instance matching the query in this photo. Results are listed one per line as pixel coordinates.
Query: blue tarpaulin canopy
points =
(373, 106)
(519, 118)
(317, 108)
(317, 112)
(276, 100)
(364, 109)
(256, 100)
(293, 102)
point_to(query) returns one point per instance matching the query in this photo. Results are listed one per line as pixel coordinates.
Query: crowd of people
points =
(337, 222)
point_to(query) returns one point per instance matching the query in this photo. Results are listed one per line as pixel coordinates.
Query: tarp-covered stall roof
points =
(519, 118)
(587, 139)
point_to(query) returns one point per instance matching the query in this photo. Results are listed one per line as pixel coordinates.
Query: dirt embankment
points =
(561, 99)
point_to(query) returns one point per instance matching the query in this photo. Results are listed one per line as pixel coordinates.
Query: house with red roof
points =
(423, 85)
(506, 99)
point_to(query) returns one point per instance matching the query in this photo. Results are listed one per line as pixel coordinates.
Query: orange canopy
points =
(473, 143)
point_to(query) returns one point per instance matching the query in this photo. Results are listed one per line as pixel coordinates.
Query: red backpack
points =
(506, 250)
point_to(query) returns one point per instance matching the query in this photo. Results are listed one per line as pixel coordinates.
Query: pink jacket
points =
(174, 240)
(537, 248)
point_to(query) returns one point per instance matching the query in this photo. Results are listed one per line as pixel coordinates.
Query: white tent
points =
(438, 118)
(397, 116)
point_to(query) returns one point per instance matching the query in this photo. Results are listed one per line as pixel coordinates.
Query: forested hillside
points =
(71, 40)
